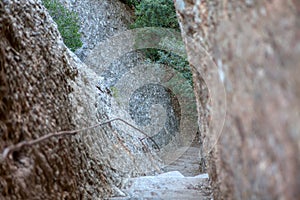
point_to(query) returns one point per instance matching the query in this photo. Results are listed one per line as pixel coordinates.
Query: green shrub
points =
(160, 13)
(156, 13)
(67, 22)
(133, 3)
(179, 63)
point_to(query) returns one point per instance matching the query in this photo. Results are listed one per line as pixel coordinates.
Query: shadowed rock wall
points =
(34, 101)
(255, 46)
(45, 88)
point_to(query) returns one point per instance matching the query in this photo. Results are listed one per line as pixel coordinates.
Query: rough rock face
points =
(45, 88)
(98, 21)
(34, 101)
(255, 46)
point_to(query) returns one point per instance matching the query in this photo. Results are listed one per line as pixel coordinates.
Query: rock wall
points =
(45, 88)
(255, 48)
(99, 20)
(35, 76)
(102, 22)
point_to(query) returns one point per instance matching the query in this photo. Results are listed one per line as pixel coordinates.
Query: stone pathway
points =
(181, 181)
(187, 164)
(171, 185)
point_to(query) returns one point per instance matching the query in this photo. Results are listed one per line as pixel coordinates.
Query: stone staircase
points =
(181, 180)
(170, 185)
(187, 164)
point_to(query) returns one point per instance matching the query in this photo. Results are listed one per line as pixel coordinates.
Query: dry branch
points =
(10, 149)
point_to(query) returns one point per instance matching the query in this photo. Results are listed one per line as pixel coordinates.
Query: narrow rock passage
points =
(181, 180)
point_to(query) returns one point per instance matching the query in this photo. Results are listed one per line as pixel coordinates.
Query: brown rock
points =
(45, 88)
(254, 47)
(40, 92)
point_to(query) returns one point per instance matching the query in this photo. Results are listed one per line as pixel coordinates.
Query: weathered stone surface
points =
(108, 18)
(170, 185)
(99, 20)
(255, 45)
(123, 148)
(45, 88)
(35, 84)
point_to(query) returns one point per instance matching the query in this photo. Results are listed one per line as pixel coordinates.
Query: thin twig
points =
(8, 150)
(139, 131)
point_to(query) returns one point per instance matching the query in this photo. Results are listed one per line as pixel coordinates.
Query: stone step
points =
(170, 185)
(187, 163)
(165, 195)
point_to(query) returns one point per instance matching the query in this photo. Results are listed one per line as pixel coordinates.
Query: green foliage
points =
(160, 13)
(179, 63)
(156, 13)
(133, 3)
(115, 92)
(67, 22)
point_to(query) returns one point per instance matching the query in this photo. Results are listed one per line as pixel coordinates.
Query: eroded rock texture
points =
(44, 88)
(255, 46)
(34, 101)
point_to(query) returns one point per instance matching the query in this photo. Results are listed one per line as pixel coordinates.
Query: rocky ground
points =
(188, 164)
(182, 179)
(170, 185)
